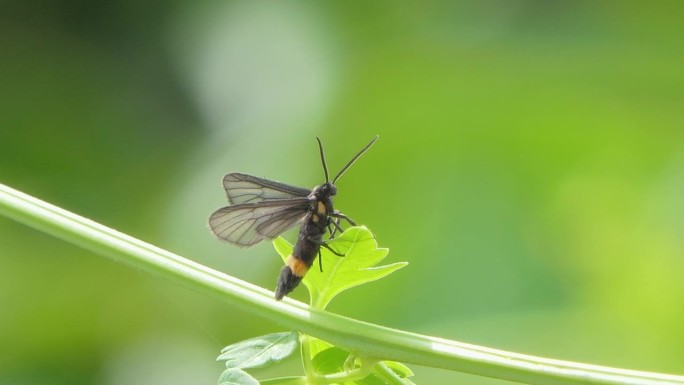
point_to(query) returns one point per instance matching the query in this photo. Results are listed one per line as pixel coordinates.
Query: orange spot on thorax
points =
(321, 208)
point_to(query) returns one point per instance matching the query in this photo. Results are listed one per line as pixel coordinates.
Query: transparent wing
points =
(243, 188)
(249, 223)
(275, 226)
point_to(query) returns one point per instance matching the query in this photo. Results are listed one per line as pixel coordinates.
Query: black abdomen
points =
(304, 252)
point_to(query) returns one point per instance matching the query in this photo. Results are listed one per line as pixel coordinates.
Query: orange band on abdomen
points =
(298, 267)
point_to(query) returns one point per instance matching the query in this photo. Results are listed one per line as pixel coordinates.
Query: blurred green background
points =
(530, 168)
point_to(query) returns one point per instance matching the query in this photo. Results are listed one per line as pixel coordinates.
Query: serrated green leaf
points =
(235, 376)
(400, 369)
(259, 351)
(341, 273)
(330, 360)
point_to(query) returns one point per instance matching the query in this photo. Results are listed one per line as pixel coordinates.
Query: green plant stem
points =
(387, 375)
(349, 375)
(361, 338)
(305, 343)
(285, 381)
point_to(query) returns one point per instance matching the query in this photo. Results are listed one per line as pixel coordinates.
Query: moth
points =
(263, 209)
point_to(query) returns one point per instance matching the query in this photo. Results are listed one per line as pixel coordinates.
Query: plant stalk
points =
(361, 338)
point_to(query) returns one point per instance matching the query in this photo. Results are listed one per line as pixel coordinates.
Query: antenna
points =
(339, 174)
(325, 167)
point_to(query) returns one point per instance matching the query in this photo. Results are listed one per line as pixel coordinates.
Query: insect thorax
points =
(324, 191)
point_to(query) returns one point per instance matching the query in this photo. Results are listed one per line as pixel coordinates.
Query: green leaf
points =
(341, 273)
(330, 360)
(235, 376)
(259, 351)
(316, 346)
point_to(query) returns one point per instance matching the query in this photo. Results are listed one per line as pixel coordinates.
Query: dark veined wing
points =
(243, 188)
(249, 223)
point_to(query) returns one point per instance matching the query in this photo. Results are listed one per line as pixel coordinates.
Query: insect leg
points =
(324, 244)
(337, 214)
(320, 260)
(331, 249)
(333, 230)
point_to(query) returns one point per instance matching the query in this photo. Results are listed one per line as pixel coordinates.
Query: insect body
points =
(263, 209)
